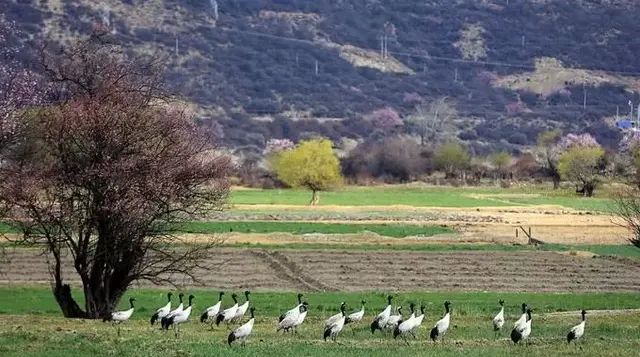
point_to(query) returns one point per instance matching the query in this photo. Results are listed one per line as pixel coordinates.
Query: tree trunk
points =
(315, 198)
(589, 187)
(556, 181)
(69, 307)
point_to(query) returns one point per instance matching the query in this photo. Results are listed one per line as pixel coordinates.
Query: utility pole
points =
(522, 41)
(455, 75)
(316, 67)
(584, 96)
(617, 112)
(177, 53)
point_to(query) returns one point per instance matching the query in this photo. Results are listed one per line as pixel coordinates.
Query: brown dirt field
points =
(329, 270)
(550, 224)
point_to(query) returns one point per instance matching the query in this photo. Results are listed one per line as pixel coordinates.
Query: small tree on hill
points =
(582, 165)
(500, 162)
(312, 165)
(451, 158)
(547, 154)
(99, 177)
(431, 120)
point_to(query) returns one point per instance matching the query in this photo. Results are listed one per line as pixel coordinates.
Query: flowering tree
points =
(571, 141)
(19, 87)
(386, 119)
(100, 177)
(275, 146)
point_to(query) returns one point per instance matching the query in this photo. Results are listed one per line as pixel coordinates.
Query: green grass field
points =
(428, 197)
(30, 324)
(388, 230)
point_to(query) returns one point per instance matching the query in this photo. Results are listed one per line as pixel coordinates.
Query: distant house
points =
(625, 124)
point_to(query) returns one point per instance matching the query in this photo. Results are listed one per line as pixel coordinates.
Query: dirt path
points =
(329, 270)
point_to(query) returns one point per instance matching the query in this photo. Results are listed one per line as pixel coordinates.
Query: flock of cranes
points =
(387, 320)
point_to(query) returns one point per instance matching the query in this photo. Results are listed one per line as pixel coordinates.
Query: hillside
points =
(295, 68)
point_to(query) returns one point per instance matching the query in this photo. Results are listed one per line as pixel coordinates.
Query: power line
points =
(429, 57)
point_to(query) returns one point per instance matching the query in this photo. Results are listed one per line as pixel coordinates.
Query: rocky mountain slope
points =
(296, 68)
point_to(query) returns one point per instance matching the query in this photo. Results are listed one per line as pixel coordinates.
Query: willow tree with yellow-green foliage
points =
(582, 165)
(312, 164)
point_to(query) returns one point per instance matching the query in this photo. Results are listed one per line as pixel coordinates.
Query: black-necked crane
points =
(336, 326)
(419, 319)
(394, 320)
(498, 320)
(304, 309)
(332, 319)
(119, 317)
(163, 311)
(380, 321)
(577, 331)
(242, 333)
(229, 313)
(522, 332)
(211, 312)
(406, 327)
(291, 318)
(357, 316)
(523, 317)
(242, 309)
(441, 327)
(179, 318)
(295, 310)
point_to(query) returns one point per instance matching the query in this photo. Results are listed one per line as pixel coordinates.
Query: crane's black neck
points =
(235, 299)
(422, 309)
(169, 297)
(528, 315)
(252, 313)
(180, 298)
(524, 308)
(131, 302)
(220, 296)
(342, 310)
(299, 299)
(412, 307)
(389, 298)
(584, 315)
(191, 300)
(246, 295)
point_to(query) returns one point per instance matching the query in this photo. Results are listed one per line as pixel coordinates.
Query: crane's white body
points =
(520, 322)
(176, 311)
(121, 316)
(214, 310)
(407, 326)
(526, 330)
(356, 316)
(498, 320)
(393, 321)
(229, 313)
(383, 317)
(290, 319)
(241, 333)
(333, 319)
(240, 311)
(443, 324)
(182, 316)
(301, 316)
(334, 329)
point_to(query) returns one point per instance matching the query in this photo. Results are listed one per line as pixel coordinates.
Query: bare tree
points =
(101, 177)
(627, 210)
(431, 120)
